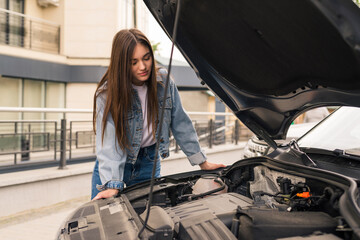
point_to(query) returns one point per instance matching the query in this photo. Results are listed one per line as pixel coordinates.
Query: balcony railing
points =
(34, 142)
(20, 30)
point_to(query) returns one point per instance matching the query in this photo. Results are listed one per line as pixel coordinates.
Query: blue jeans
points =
(133, 173)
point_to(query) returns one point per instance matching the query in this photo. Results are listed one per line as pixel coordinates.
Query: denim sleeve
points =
(183, 129)
(111, 158)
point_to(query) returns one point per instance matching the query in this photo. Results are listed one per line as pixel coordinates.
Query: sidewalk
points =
(43, 223)
(40, 224)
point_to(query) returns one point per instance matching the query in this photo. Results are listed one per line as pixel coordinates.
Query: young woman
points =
(127, 105)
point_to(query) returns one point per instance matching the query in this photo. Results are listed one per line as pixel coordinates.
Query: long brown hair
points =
(116, 83)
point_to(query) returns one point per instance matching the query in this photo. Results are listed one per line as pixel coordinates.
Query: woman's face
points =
(141, 64)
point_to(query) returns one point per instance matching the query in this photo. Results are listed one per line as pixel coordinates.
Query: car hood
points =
(269, 61)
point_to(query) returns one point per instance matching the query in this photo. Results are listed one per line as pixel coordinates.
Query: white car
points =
(256, 147)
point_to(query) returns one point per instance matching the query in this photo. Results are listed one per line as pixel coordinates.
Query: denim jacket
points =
(110, 156)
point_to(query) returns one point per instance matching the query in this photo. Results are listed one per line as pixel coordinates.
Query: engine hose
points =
(194, 196)
(331, 193)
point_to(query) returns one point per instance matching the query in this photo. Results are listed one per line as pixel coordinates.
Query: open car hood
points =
(269, 61)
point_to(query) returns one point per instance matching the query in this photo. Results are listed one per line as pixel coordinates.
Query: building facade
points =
(53, 53)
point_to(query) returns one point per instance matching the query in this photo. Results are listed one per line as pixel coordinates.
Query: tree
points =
(155, 47)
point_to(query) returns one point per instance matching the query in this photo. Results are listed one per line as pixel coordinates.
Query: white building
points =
(53, 53)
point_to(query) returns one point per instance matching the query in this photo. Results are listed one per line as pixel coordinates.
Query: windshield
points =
(341, 131)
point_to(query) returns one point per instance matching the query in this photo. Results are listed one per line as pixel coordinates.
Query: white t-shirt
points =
(147, 137)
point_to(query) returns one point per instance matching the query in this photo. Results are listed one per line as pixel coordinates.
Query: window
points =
(127, 18)
(10, 96)
(34, 93)
(54, 98)
(12, 26)
(17, 92)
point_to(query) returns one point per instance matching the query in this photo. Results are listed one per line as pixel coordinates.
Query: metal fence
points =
(27, 142)
(23, 31)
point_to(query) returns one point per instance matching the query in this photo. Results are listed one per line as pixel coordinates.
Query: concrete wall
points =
(30, 190)
(196, 101)
(80, 96)
(89, 27)
(51, 13)
(32, 9)
(34, 189)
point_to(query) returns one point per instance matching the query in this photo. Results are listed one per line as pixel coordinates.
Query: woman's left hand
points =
(106, 194)
(211, 166)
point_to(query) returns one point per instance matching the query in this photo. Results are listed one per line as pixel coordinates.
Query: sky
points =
(156, 34)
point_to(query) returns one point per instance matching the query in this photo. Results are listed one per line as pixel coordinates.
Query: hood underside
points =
(269, 61)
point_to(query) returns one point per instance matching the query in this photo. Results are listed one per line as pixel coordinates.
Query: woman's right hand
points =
(106, 193)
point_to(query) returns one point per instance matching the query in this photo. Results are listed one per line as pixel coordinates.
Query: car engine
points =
(253, 201)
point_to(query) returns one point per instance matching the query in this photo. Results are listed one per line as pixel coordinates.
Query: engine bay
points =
(252, 201)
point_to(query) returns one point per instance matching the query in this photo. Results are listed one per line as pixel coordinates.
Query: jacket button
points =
(161, 140)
